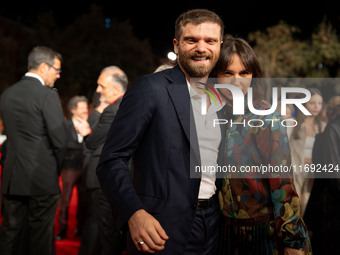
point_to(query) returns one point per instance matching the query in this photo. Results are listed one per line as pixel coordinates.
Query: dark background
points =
(155, 20)
(87, 47)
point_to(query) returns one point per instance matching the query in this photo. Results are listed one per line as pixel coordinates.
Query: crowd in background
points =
(77, 142)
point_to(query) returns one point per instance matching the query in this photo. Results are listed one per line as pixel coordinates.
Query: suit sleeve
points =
(127, 129)
(54, 119)
(93, 119)
(98, 136)
(332, 148)
(331, 142)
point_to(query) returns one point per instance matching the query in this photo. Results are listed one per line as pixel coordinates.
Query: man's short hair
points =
(73, 102)
(42, 54)
(196, 17)
(117, 77)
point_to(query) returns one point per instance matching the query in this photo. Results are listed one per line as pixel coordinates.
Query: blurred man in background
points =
(73, 166)
(112, 84)
(36, 145)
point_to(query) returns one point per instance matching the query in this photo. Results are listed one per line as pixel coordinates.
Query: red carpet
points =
(71, 244)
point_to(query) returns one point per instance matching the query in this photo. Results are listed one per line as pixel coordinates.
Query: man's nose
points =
(201, 46)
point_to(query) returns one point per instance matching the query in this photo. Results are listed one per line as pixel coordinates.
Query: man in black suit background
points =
(34, 125)
(112, 84)
(73, 166)
(162, 205)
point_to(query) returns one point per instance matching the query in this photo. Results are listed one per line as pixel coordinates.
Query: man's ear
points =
(43, 67)
(118, 89)
(176, 44)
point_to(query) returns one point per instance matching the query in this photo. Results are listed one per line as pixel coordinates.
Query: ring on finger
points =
(140, 243)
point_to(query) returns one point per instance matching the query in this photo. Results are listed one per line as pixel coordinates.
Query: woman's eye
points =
(245, 73)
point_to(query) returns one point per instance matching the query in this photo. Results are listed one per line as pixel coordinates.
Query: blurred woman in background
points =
(301, 145)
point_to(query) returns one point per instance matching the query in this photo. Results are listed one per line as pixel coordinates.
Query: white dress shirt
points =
(79, 136)
(35, 76)
(209, 138)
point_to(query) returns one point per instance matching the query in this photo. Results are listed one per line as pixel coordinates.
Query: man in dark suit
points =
(163, 205)
(73, 166)
(34, 125)
(112, 84)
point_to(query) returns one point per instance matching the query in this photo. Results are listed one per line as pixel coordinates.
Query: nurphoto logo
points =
(238, 99)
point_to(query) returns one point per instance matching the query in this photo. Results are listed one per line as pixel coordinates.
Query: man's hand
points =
(101, 107)
(83, 128)
(145, 228)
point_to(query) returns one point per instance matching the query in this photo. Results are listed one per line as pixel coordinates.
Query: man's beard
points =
(103, 99)
(196, 70)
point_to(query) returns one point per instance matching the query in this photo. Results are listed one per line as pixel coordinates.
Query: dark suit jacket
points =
(75, 150)
(96, 140)
(155, 126)
(34, 125)
(324, 201)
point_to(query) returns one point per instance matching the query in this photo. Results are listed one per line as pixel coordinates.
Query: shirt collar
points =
(117, 98)
(29, 74)
(75, 122)
(194, 95)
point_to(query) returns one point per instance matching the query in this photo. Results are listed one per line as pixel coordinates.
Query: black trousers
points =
(104, 230)
(90, 242)
(40, 212)
(205, 232)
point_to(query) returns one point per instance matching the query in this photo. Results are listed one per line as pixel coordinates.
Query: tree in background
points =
(282, 54)
(323, 54)
(278, 51)
(89, 44)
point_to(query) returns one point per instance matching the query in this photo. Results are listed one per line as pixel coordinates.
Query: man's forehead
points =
(80, 103)
(208, 28)
(57, 62)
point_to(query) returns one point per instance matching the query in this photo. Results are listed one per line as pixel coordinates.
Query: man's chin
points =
(200, 72)
(103, 99)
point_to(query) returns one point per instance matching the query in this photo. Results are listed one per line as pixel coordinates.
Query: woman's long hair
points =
(300, 117)
(233, 45)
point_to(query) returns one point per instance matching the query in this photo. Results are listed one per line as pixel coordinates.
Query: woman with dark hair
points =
(301, 144)
(261, 212)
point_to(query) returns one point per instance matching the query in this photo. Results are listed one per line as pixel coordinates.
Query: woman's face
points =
(235, 74)
(314, 105)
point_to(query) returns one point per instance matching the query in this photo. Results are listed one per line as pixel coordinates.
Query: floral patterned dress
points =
(261, 209)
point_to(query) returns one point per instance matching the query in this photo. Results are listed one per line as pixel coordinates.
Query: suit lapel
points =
(72, 130)
(179, 94)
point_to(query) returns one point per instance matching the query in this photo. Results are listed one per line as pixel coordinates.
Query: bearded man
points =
(166, 210)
